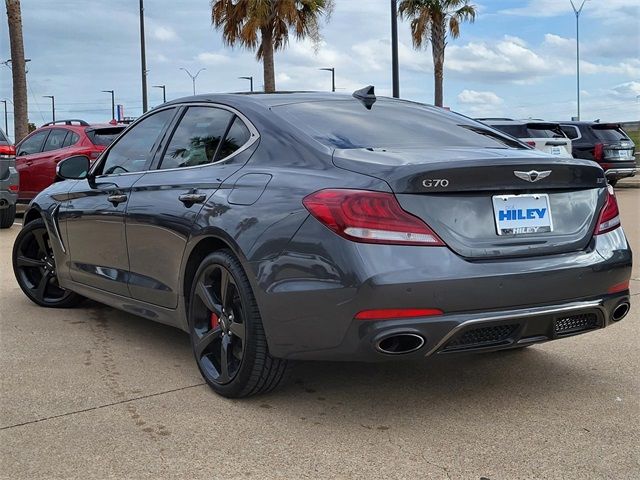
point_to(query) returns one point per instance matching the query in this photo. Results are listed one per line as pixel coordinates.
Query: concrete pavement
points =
(93, 392)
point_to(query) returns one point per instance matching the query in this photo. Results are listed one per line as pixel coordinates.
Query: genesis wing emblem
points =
(532, 176)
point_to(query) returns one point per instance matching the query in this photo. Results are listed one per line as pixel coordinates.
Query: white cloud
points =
(473, 97)
(213, 58)
(164, 34)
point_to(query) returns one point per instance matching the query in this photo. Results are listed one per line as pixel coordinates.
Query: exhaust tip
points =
(620, 311)
(400, 343)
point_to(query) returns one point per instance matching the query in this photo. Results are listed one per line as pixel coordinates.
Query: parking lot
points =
(96, 393)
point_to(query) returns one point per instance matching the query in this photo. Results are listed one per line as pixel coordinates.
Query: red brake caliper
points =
(214, 321)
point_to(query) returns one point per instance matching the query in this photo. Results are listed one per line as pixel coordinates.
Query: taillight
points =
(598, 152)
(14, 188)
(7, 150)
(397, 313)
(531, 143)
(369, 217)
(610, 215)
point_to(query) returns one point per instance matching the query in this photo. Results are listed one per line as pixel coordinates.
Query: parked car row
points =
(38, 153)
(605, 143)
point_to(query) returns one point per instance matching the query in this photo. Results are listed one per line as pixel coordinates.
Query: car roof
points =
(265, 99)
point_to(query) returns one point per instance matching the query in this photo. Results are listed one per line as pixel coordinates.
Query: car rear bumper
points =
(473, 332)
(620, 172)
(308, 300)
(7, 198)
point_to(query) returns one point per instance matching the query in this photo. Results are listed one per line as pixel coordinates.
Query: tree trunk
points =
(267, 61)
(437, 48)
(18, 68)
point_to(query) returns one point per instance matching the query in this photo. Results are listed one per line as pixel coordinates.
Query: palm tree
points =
(18, 69)
(431, 20)
(264, 25)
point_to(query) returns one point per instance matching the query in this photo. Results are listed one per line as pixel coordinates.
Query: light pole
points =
(143, 59)
(53, 106)
(6, 118)
(333, 77)
(113, 103)
(577, 12)
(164, 92)
(394, 49)
(250, 78)
(193, 77)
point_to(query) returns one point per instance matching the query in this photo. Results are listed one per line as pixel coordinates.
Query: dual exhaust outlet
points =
(400, 343)
(620, 311)
(406, 342)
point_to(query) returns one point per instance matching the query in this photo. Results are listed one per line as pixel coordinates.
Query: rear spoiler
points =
(606, 126)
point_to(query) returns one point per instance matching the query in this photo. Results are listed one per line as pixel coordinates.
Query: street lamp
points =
(164, 92)
(6, 118)
(577, 12)
(53, 106)
(250, 81)
(193, 77)
(394, 49)
(113, 103)
(143, 59)
(333, 77)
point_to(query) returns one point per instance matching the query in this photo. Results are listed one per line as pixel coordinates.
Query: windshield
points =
(389, 123)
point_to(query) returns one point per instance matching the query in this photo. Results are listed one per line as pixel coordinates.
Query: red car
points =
(38, 153)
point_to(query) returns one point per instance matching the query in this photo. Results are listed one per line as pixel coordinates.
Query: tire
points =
(35, 268)
(225, 323)
(7, 216)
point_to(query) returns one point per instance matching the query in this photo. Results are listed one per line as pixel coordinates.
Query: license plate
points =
(556, 150)
(618, 154)
(522, 214)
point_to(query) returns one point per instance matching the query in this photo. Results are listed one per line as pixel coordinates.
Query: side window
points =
(237, 136)
(570, 131)
(72, 139)
(33, 144)
(197, 137)
(133, 152)
(55, 140)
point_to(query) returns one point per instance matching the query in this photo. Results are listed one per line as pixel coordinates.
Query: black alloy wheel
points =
(226, 330)
(34, 266)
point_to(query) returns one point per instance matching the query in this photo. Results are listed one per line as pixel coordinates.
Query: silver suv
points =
(547, 137)
(9, 183)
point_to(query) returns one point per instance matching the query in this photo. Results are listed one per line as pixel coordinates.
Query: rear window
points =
(3, 138)
(609, 134)
(348, 124)
(515, 130)
(104, 136)
(538, 130)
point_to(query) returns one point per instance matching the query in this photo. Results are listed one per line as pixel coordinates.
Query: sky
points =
(517, 59)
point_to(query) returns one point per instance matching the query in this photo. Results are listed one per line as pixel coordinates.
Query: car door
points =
(166, 201)
(44, 167)
(28, 155)
(94, 214)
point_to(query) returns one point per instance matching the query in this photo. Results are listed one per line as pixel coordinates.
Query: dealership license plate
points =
(556, 150)
(522, 214)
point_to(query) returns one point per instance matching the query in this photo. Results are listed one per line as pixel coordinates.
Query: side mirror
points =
(73, 168)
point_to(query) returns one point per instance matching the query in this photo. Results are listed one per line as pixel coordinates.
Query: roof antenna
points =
(366, 95)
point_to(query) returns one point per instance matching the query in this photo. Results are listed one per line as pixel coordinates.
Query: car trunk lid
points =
(457, 192)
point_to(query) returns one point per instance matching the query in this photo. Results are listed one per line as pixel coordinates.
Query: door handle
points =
(190, 198)
(117, 198)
